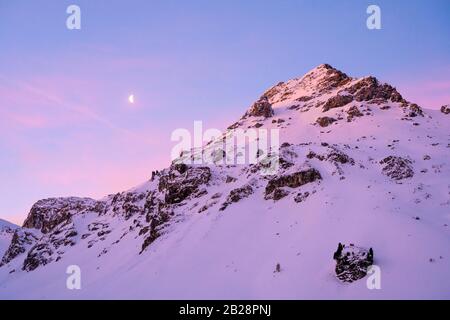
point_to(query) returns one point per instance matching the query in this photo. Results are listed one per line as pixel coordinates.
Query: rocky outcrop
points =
(352, 263)
(126, 204)
(20, 243)
(369, 89)
(336, 156)
(46, 214)
(236, 195)
(445, 109)
(325, 121)
(176, 185)
(333, 155)
(278, 194)
(397, 168)
(301, 197)
(230, 179)
(414, 110)
(39, 255)
(337, 102)
(182, 181)
(353, 112)
(261, 108)
(51, 246)
(55, 229)
(153, 231)
(293, 180)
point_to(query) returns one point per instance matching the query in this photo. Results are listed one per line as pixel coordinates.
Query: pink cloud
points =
(29, 121)
(428, 94)
(431, 91)
(49, 94)
(87, 167)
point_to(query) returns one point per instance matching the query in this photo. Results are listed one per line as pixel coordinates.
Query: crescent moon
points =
(131, 98)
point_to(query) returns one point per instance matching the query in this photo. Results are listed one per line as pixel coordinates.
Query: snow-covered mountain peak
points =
(358, 164)
(326, 96)
(324, 80)
(317, 81)
(323, 77)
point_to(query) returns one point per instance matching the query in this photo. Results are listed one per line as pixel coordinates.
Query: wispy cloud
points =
(431, 90)
(34, 94)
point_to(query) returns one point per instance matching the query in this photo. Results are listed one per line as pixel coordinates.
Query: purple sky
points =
(66, 127)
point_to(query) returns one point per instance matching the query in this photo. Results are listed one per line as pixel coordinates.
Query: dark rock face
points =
(352, 262)
(369, 89)
(301, 197)
(50, 246)
(53, 219)
(335, 156)
(337, 102)
(230, 179)
(177, 184)
(353, 112)
(39, 255)
(325, 121)
(236, 195)
(154, 230)
(415, 110)
(151, 209)
(304, 99)
(445, 109)
(46, 214)
(279, 194)
(261, 108)
(285, 164)
(313, 155)
(19, 243)
(125, 204)
(156, 208)
(182, 181)
(397, 168)
(293, 180)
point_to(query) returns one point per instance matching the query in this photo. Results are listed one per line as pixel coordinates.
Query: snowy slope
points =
(358, 164)
(6, 233)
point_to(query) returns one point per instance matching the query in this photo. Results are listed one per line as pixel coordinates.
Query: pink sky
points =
(66, 128)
